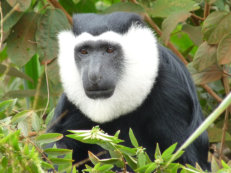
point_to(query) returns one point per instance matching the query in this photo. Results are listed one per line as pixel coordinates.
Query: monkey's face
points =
(100, 65)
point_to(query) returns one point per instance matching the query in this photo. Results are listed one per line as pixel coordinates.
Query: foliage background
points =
(198, 31)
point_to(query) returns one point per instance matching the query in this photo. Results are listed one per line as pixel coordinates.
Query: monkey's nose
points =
(94, 78)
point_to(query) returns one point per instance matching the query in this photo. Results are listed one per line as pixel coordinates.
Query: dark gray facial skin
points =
(100, 64)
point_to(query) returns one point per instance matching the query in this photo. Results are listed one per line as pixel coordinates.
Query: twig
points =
(48, 91)
(197, 17)
(206, 10)
(1, 13)
(211, 92)
(225, 126)
(42, 153)
(56, 4)
(36, 97)
(10, 12)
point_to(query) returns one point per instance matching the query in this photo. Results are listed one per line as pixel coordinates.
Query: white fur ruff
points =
(141, 68)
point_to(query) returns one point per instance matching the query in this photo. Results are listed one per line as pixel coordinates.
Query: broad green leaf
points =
(151, 168)
(21, 42)
(205, 56)
(23, 5)
(133, 138)
(36, 122)
(216, 26)
(141, 159)
(131, 161)
(127, 150)
(60, 161)
(194, 32)
(46, 165)
(209, 74)
(14, 72)
(20, 93)
(126, 7)
(3, 53)
(224, 50)
(49, 137)
(21, 116)
(9, 20)
(105, 168)
(23, 127)
(5, 105)
(52, 22)
(57, 151)
(165, 8)
(170, 23)
(168, 152)
(33, 69)
(49, 116)
(94, 159)
(157, 152)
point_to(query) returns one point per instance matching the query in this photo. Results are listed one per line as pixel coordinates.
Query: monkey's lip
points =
(94, 94)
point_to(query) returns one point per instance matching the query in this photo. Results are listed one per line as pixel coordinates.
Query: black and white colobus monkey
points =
(116, 75)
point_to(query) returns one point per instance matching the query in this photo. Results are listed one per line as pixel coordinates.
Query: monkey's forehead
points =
(96, 24)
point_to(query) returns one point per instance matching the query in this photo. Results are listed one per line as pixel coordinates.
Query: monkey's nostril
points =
(94, 78)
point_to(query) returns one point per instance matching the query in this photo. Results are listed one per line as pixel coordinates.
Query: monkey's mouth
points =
(100, 93)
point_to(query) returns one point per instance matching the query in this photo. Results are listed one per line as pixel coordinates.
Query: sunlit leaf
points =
(49, 137)
(21, 116)
(133, 138)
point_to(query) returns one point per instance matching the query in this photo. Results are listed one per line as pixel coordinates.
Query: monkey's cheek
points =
(100, 94)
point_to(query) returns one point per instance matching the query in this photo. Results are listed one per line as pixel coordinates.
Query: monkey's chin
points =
(99, 94)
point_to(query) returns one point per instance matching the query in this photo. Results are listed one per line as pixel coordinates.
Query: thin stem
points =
(1, 13)
(48, 91)
(210, 119)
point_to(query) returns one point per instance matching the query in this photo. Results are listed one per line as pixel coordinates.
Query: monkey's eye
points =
(83, 51)
(110, 50)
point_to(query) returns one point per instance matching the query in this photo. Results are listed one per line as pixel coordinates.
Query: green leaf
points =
(19, 93)
(105, 168)
(157, 152)
(49, 25)
(46, 165)
(49, 116)
(49, 137)
(33, 69)
(23, 5)
(23, 127)
(141, 159)
(216, 26)
(9, 20)
(224, 50)
(127, 150)
(194, 32)
(133, 138)
(57, 151)
(60, 161)
(151, 168)
(36, 122)
(168, 152)
(165, 8)
(4, 105)
(131, 161)
(170, 23)
(205, 56)
(14, 72)
(94, 159)
(125, 6)
(21, 116)
(21, 43)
